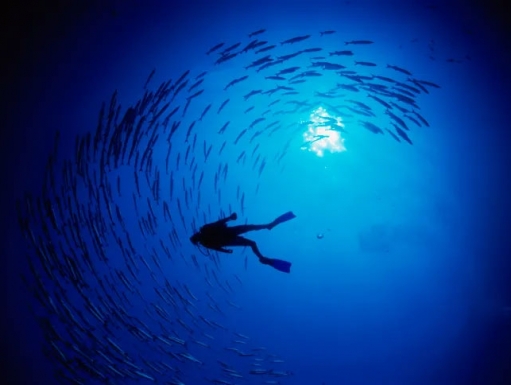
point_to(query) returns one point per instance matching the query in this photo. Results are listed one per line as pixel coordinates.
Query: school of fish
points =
(120, 293)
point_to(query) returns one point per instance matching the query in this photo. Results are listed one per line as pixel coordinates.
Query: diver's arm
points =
(222, 221)
(221, 249)
(231, 217)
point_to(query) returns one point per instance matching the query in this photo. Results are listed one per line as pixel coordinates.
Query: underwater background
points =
(383, 126)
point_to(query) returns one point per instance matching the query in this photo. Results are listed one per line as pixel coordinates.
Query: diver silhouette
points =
(217, 234)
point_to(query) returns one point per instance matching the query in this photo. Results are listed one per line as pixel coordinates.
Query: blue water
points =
(400, 252)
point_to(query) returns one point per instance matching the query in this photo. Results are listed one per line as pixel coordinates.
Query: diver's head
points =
(195, 238)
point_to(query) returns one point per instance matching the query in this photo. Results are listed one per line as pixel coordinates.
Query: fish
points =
(407, 87)
(195, 85)
(372, 127)
(201, 75)
(359, 42)
(382, 102)
(191, 358)
(397, 119)
(327, 32)
(318, 137)
(267, 48)
(289, 56)
(259, 44)
(287, 71)
(225, 58)
(151, 74)
(235, 81)
(258, 120)
(205, 112)
(229, 49)
(403, 92)
(295, 39)
(341, 53)
(365, 63)
(413, 120)
(214, 48)
(258, 32)
(252, 93)
(242, 132)
(269, 64)
(399, 69)
(425, 82)
(309, 50)
(324, 95)
(190, 128)
(260, 61)
(250, 46)
(402, 134)
(404, 110)
(275, 77)
(189, 98)
(224, 127)
(419, 116)
(223, 105)
(328, 66)
(310, 74)
(181, 78)
(394, 136)
(359, 104)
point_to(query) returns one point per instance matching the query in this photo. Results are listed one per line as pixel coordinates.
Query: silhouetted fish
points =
(214, 48)
(295, 39)
(399, 69)
(341, 53)
(258, 32)
(358, 42)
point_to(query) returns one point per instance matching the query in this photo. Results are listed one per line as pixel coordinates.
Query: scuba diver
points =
(216, 235)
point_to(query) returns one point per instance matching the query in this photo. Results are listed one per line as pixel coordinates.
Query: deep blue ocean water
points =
(400, 251)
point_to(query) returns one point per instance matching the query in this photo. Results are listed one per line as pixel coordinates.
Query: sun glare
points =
(323, 133)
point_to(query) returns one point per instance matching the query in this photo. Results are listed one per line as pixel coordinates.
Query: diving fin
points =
(281, 265)
(283, 218)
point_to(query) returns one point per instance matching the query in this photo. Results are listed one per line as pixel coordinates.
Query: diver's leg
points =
(283, 218)
(283, 266)
(237, 230)
(240, 241)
